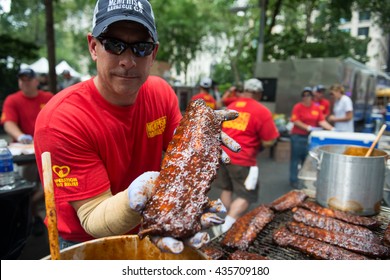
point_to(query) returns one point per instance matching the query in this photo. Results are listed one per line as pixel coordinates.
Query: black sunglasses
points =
(117, 47)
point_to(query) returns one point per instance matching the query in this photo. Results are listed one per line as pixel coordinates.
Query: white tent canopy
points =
(63, 65)
(42, 66)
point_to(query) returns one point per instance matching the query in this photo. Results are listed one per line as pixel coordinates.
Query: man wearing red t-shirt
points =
(20, 111)
(306, 117)
(106, 135)
(205, 87)
(21, 108)
(231, 95)
(320, 100)
(253, 129)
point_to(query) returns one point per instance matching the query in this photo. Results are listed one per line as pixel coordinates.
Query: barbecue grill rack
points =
(263, 244)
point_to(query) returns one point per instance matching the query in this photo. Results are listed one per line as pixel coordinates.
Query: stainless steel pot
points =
(347, 182)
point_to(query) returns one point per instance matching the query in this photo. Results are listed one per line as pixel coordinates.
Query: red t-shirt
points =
(324, 105)
(254, 124)
(23, 110)
(311, 115)
(208, 98)
(96, 146)
(229, 100)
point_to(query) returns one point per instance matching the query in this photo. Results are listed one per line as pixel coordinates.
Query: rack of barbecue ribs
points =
(312, 219)
(340, 215)
(386, 236)
(288, 201)
(212, 253)
(188, 168)
(357, 244)
(317, 249)
(243, 255)
(244, 231)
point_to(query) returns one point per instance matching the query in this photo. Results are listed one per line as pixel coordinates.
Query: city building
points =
(362, 24)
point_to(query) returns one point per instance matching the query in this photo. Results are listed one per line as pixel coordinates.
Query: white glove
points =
(251, 180)
(139, 192)
(226, 140)
(25, 139)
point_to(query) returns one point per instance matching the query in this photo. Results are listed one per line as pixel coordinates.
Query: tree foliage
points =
(188, 27)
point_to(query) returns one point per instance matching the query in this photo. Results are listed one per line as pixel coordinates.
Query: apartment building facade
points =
(362, 24)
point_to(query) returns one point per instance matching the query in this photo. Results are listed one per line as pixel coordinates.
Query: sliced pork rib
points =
(246, 228)
(189, 166)
(317, 249)
(386, 236)
(212, 252)
(312, 219)
(357, 244)
(243, 255)
(288, 201)
(340, 215)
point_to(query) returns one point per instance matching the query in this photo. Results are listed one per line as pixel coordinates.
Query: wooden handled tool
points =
(369, 152)
(50, 206)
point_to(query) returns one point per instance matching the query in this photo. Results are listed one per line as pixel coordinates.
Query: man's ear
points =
(92, 44)
(155, 51)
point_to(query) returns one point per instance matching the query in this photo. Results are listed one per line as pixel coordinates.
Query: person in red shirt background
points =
(20, 110)
(306, 117)
(253, 129)
(231, 95)
(320, 100)
(205, 88)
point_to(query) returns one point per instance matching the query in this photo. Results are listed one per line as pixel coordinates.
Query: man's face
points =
(27, 84)
(120, 76)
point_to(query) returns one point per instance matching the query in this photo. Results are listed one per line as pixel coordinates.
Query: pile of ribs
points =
(317, 232)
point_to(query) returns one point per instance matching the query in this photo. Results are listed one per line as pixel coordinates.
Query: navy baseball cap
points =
(108, 12)
(319, 88)
(27, 72)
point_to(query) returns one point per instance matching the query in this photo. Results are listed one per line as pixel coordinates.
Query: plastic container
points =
(323, 137)
(7, 175)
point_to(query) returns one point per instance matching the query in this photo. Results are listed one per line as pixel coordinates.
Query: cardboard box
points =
(282, 151)
(324, 137)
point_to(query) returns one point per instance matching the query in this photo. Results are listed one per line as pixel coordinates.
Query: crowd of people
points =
(107, 135)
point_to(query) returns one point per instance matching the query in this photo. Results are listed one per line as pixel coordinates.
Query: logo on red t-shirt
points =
(156, 127)
(62, 172)
(240, 123)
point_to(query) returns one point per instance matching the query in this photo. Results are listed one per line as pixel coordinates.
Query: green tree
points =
(12, 53)
(182, 26)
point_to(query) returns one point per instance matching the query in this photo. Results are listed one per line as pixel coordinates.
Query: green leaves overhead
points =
(294, 28)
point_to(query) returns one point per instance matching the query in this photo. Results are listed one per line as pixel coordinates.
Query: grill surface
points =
(264, 245)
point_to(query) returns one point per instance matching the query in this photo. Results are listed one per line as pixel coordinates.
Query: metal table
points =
(15, 218)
